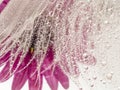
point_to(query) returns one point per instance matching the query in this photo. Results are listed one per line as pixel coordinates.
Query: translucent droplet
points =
(94, 77)
(108, 46)
(109, 76)
(112, 72)
(89, 79)
(85, 55)
(80, 89)
(103, 63)
(86, 67)
(106, 22)
(103, 81)
(92, 85)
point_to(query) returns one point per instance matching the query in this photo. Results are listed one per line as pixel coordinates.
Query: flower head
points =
(45, 40)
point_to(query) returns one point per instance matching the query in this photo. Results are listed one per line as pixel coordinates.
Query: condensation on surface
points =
(106, 49)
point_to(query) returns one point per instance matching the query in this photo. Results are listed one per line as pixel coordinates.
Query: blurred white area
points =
(1, 1)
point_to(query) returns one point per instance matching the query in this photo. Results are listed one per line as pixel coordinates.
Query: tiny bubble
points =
(104, 82)
(92, 85)
(86, 67)
(94, 77)
(80, 89)
(106, 22)
(85, 55)
(109, 76)
(103, 63)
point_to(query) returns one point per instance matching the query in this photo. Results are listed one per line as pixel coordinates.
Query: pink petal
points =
(35, 81)
(60, 76)
(25, 61)
(49, 57)
(3, 5)
(6, 1)
(16, 63)
(20, 77)
(49, 76)
(5, 74)
(4, 58)
(19, 80)
(51, 80)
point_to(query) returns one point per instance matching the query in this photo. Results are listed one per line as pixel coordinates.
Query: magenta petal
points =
(19, 80)
(24, 62)
(21, 77)
(6, 1)
(60, 76)
(3, 5)
(35, 81)
(5, 74)
(4, 58)
(15, 64)
(51, 80)
(49, 76)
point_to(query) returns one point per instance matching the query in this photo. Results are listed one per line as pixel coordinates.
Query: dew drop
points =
(86, 67)
(94, 77)
(108, 46)
(92, 85)
(103, 63)
(85, 55)
(80, 89)
(106, 22)
(104, 82)
(109, 76)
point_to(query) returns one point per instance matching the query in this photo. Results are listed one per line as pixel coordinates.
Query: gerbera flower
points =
(43, 39)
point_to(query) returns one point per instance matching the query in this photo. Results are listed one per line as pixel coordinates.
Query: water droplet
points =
(85, 55)
(89, 79)
(106, 22)
(112, 72)
(86, 67)
(94, 77)
(103, 63)
(80, 89)
(109, 76)
(92, 85)
(104, 82)
(108, 46)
